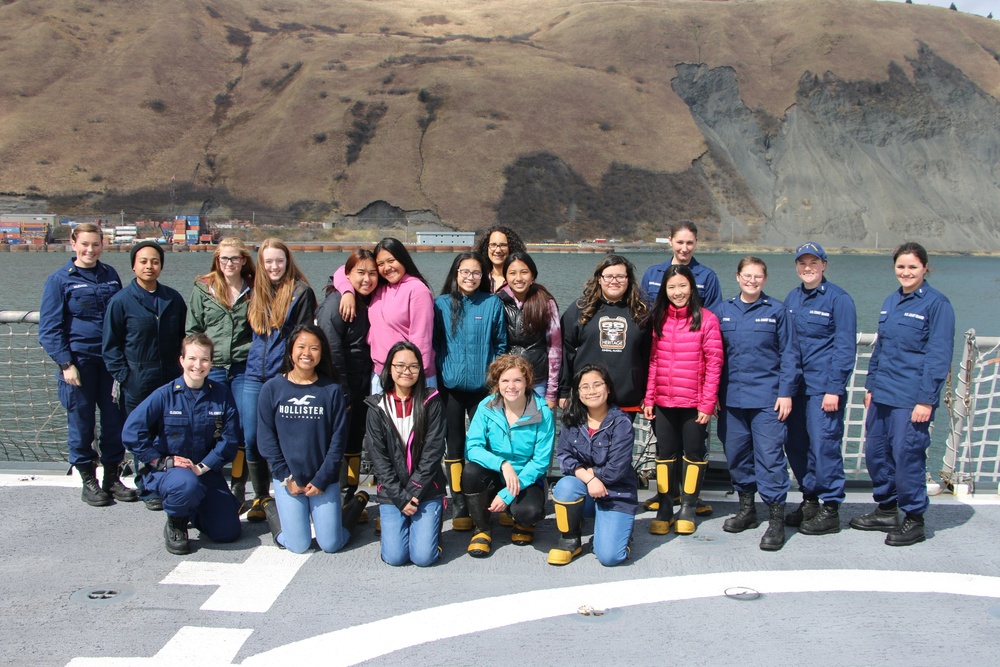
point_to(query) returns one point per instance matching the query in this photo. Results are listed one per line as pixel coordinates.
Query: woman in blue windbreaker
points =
(469, 333)
(760, 374)
(508, 449)
(595, 455)
(282, 300)
(911, 359)
(70, 328)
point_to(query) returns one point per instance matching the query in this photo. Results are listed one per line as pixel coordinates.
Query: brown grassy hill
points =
(562, 117)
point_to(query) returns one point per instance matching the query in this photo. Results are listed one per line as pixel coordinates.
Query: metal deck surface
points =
(95, 586)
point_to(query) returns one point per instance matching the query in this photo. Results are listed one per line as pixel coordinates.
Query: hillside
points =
(763, 120)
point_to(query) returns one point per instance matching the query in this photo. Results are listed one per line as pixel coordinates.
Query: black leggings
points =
(528, 507)
(458, 405)
(357, 420)
(677, 429)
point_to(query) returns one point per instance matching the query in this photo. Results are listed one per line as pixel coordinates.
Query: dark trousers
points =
(677, 430)
(458, 405)
(528, 507)
(205, 499)
(82, 403)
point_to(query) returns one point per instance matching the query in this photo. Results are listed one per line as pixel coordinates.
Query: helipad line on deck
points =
(371, 640)
(250, 586)
(205, 647)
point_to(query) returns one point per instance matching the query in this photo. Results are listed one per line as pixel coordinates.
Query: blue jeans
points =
(411, 539)
(248, 416)
(612, 529)
(233, 377)
(296, 511)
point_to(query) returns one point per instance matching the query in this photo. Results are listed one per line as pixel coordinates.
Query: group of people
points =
(453, 397)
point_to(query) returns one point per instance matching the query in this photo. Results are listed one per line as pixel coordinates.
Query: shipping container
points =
(205, 238)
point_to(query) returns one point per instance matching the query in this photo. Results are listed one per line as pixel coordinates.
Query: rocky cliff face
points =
(851, 121)
(856, 160)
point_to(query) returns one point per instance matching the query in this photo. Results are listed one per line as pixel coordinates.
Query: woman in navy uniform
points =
(683, 241)
(70, 327)
(826, 328)
(911, 359)
(759, 377)
(183, 434)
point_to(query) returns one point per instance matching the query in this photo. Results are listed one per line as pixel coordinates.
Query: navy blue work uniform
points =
(70, 328)
(826, 328)
(142, 339)
(704, 279)
(910, 361)
(762, 364)
(199, 424)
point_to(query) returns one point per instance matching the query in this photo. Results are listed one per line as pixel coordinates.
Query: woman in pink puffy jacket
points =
(684, 368)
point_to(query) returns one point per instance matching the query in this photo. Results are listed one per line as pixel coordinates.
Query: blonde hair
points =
(87, 228)
(270, 302)
(217, 281)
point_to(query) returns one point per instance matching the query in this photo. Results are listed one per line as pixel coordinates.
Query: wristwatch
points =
(66, 365)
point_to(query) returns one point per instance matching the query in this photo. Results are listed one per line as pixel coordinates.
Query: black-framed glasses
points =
(498, 246)
(231, 260)
(406, 368)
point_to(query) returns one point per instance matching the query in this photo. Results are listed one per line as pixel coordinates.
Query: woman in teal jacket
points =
(469, 333)
(508, 447)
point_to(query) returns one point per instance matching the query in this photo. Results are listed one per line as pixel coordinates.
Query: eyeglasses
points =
(615, 279)
(587, 388)
(231, 260)
(465, 273)
(748, 278)
(406, 368)
(498, 246)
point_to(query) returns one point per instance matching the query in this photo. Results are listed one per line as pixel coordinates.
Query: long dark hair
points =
(536, 301)
(451, 285)
(514, 242)
(575, 412)
(396, 248)
(419, 393)
(662, 303)
(592, 294)
(359, 255)
(325, 365)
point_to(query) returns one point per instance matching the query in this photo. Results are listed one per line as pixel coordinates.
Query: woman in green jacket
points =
(218, 309)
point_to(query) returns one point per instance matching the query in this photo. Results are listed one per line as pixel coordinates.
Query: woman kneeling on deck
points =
(595, 454)
(508, 447)
(405, 442)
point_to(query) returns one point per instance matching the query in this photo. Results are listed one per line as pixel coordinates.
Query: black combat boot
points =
(826, 522)
(479, 510)
(92, 494)
(352, 510)
(746, 517)
(175, 533)
(112, 485)
(884, 518)
(909, 532)
(807, 509)
(260, 478)
(774, 537)
(273, 522)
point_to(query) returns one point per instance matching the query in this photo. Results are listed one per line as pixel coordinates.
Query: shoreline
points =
(533, 248)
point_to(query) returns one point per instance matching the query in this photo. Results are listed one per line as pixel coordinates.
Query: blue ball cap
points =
(810, 248)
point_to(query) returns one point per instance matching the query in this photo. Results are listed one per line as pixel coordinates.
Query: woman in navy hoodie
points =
(301, 431)
(595, 454)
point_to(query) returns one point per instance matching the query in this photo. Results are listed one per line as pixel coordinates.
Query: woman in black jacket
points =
(351, 354)
(405, 442)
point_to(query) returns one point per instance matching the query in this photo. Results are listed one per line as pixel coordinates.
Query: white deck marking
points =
(205, 647)
(364, 642)
(250, 586)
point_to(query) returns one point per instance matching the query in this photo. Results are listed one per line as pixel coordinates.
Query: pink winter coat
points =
(685, 365)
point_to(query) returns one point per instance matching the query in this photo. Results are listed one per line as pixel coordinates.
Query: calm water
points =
(972, 283)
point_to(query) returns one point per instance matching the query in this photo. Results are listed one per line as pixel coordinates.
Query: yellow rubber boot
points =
(569, 520)
(694, 475)
(665, 514)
